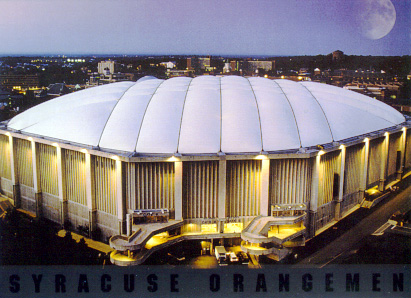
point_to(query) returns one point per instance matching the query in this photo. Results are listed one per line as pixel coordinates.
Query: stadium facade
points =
(154, 162)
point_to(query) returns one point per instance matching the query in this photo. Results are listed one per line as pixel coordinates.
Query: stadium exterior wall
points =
(78, 186)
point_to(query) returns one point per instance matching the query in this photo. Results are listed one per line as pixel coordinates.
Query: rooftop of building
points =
(206, 115)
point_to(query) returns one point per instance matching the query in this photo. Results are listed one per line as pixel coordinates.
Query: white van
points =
(233, 257)
(221, 255)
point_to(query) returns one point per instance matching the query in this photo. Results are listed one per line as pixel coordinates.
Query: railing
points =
(325, 214)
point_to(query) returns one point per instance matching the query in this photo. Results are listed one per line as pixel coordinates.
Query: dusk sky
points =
(215, 27)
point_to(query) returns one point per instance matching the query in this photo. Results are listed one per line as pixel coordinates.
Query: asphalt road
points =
(351, 239)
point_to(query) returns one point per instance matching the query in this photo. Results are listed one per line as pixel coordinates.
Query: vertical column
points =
(178, 190)
(402, 149)
(341, 183)
(120, 198)
(364, 171)
(314, 194)
(265, 182)
(384, 161)
(61, 184)
(222, 185)
(36, 178)
(90, 194)
(13, 172)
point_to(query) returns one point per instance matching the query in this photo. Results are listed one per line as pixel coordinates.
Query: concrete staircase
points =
(141, 234)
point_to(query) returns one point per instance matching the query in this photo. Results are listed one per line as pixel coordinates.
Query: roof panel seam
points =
(258, 112)
(182, 113)
(325, 116)
(144, 115)
(292, 110)
(112, 110)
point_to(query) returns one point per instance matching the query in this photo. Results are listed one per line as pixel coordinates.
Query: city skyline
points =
(181, 27)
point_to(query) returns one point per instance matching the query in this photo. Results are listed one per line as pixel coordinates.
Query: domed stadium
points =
(149, 163)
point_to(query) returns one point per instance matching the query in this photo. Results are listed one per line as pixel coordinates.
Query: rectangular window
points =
(336, 185)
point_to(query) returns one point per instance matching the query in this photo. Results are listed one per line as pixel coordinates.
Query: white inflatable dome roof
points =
(207, 115)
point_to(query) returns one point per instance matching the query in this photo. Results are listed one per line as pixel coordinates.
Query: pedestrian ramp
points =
(390, 224)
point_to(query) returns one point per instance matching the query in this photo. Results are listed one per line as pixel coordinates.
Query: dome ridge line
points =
(325, 116)
(145, 111)
(292, 110)
(258, 112)
(182, 113)
(108, 118)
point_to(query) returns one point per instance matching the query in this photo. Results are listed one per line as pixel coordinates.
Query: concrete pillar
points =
(90, 194)
(120, 197)
(178, 190)
(384, 161)
(13, 172)
(364, 162)
(265, 183)
(314, 195)
(402, 149)
(129, 224)
(222, 186)
(61, 184)
(36, 179)
(341, 183)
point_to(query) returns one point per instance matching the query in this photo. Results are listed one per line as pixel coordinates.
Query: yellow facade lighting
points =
(366, 139)
(30, 139)
(321, 152)
(55, 144)
(115, 157)
(84, 151)
(8, 134)
(172, 159)
(386, 134)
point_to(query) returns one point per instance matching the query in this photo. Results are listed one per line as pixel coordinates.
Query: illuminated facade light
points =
(30, 139)
(55, 144)
(84, 151)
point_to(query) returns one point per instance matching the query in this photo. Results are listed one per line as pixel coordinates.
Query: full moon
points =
(376, 18)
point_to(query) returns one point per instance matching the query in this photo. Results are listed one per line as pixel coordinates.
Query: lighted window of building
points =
(209, 228)
(235, 227)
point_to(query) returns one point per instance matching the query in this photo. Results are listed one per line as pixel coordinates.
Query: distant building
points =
(199, 63)
(97, 79)
(204, 63)
(168, 64)
(107, 67)
(19, 82)
(227, 67)
(254, 65)
(57, 89)
(172, 73)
